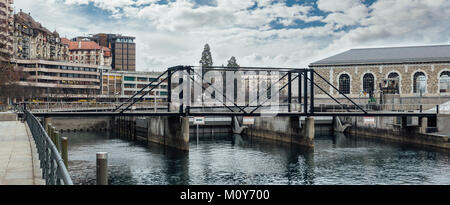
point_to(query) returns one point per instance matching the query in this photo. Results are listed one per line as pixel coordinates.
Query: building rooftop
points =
(107, 52)
(84, 45)
(65, 41)
(390, 55)
(27, 20)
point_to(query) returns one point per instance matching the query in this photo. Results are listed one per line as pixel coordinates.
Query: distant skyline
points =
(281, 33)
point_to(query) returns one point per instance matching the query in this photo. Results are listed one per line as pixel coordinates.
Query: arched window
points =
(344, 83)
(444, 82)
(393, 76)
(393, 83)
(368, 83)
(419, 82)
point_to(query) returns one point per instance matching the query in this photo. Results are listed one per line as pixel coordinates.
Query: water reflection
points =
(235, 159)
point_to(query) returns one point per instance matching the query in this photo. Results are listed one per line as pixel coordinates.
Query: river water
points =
(236, 160)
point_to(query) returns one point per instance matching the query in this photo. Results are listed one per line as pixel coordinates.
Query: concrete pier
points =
(80, 123)
(19, 161)
(169, 131)
(423, 125)
(284, 129)
(389, 128)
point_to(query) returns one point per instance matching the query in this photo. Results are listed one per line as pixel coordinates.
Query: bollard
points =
(49, 125)
(65, 154)
(57, 141)
(53, 135)
(50, 132)
(46, 124)
(102, 168)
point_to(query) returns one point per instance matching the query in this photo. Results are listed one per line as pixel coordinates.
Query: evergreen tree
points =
(232, 62)
(206, 60)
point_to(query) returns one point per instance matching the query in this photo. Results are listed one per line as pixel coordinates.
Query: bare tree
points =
(9, 78)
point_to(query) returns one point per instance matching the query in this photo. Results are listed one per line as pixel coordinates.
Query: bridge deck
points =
(114, 114)
(19, 164)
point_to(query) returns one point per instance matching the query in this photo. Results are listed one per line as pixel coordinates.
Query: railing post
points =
(300, 89)
(312, 92)
(305, 87)
(65, 154)
(289, 91)
(102, 168)
(169, 89)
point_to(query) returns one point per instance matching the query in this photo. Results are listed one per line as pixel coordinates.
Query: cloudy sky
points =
(280, 33)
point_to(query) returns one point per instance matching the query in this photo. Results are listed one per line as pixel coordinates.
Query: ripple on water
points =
(219, 160)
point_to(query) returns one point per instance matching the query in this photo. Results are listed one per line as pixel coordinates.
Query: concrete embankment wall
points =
(387, 128)
(443, 123)
(284, 129)
(80, 123)
(169, 131)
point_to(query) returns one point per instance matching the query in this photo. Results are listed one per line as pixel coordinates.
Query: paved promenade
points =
(19, 162)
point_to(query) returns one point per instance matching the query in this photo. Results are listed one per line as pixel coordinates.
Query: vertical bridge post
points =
(312, 91)
(169, 89)
(289, 91)
(305, 87)
(300, 88)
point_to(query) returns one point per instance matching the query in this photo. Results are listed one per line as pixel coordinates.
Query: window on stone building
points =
(368, 83)
(344, 83)
(393, 76)
(419, 82)
(393, 83)
(444, 82)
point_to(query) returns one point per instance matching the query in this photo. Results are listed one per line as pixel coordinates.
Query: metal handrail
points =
(53, 169)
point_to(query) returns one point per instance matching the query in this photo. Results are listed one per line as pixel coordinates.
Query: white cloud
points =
(343, 12)
(335, 6)
(175, 33)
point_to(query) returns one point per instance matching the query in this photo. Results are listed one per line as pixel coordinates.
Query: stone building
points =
(410, 73)
(32, 41)
(6, 30)
(88, 52)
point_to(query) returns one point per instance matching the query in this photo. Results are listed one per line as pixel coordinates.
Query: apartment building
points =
(88, 52)
(123, 50)
(60, 80)
(6, 30)
(32, 41)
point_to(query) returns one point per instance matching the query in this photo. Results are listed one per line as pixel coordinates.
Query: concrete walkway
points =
(19, 164)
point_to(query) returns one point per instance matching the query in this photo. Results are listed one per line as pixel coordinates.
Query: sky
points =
(268, 33)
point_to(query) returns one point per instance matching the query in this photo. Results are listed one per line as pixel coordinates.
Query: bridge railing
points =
(77, 106)
(421, 108)
(53, 169)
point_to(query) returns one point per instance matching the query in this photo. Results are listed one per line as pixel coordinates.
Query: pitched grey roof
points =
(393, 55)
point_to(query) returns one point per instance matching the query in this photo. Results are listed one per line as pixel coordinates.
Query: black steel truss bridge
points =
(306, 87)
